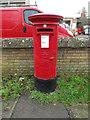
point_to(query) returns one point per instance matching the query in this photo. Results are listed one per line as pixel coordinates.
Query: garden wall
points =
(17, 56)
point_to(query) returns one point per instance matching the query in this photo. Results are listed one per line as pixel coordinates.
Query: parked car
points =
(86, 30)
(79, 30)
(14, 23)
(64, 30)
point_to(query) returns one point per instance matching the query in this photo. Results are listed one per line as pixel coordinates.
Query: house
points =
(8, 3)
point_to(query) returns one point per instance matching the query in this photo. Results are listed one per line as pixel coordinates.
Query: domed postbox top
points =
(45, 18)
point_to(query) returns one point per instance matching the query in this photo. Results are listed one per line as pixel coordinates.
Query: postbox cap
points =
(45, 18)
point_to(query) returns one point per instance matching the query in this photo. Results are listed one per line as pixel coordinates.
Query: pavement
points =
(29, 108)
(0, 108)
(9, 109)
(80, 111)
(25, 107)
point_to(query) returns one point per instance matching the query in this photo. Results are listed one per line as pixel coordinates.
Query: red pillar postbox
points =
(45, 42)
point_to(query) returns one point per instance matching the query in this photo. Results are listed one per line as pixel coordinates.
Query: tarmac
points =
(25, 107)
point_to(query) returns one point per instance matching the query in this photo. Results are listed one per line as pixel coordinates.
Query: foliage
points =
(13, 87)
(70, 89)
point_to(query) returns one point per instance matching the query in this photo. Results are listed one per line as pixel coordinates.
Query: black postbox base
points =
(45, 85)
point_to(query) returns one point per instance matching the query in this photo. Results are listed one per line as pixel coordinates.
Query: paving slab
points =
(80, 111)
(0, 108)
(7, 110)
(29, 108)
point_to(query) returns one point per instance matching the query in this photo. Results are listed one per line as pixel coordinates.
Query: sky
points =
(65, 8)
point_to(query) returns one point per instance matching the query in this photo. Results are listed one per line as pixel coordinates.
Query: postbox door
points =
(49, 56)
(46, 59)
(45, 53)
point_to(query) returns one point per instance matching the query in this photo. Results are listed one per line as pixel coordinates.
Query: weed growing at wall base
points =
(69, 91)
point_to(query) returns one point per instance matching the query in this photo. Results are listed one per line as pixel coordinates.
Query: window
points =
(28, 13)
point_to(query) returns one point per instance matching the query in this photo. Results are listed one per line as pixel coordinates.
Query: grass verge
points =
(70, 89)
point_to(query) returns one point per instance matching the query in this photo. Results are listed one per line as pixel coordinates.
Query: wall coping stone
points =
(75, 42)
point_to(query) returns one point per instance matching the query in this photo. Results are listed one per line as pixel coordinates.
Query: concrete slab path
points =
(28, 108)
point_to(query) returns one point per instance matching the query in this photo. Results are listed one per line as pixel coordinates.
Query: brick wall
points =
(72, 59)
(17, 61)
(17, 56)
